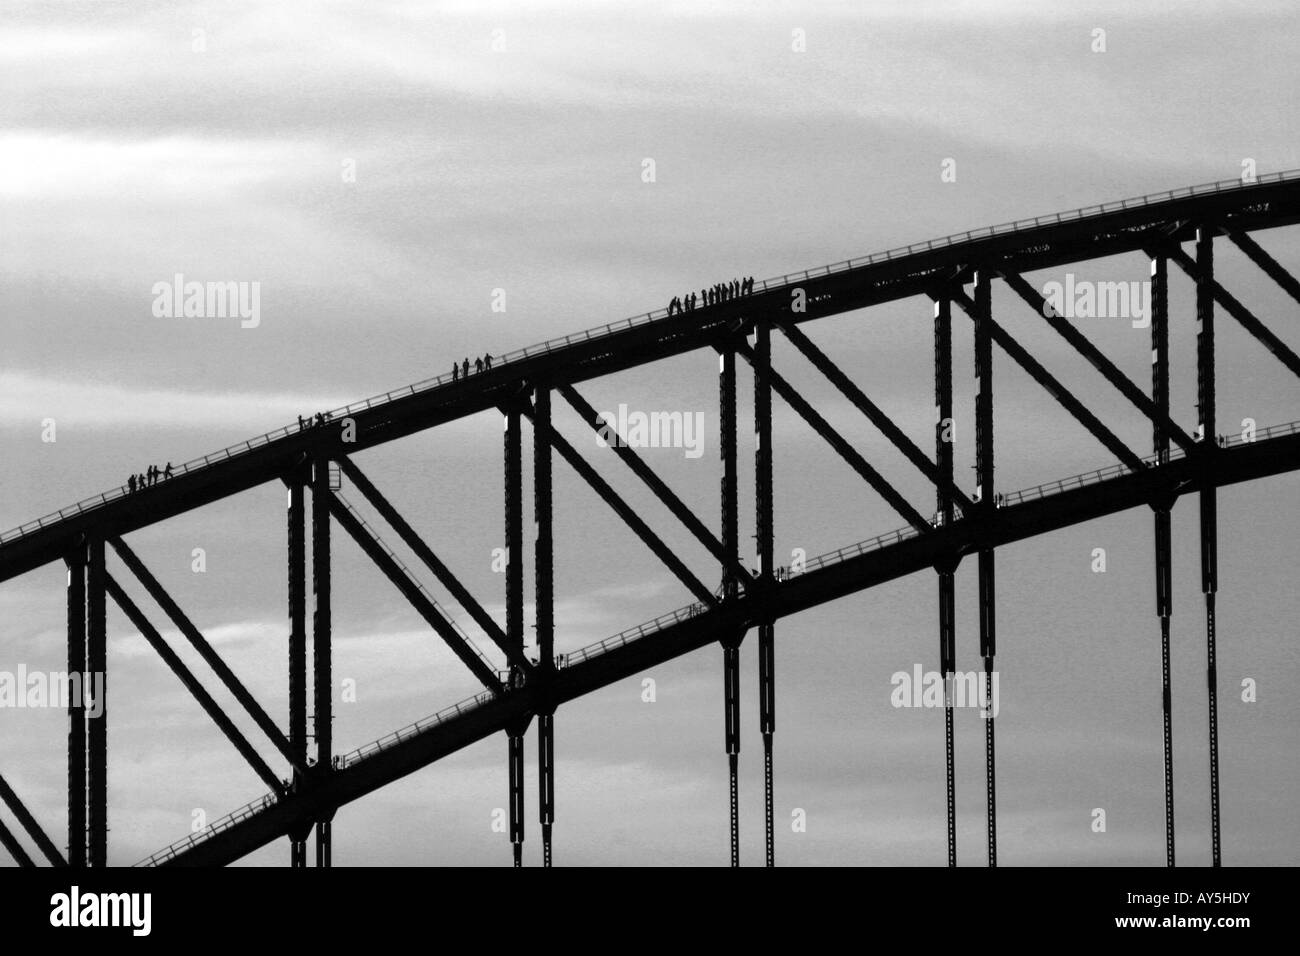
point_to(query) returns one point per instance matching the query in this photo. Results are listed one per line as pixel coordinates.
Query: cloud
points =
(26, 397)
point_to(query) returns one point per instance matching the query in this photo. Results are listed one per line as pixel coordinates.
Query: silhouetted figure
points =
(704, 298)
(150, 474)
(478, 365)
(300, 423)
(487, 360)
(320, 420)
(130, 485)
(455, 371)
(167, 472)
(464, 370)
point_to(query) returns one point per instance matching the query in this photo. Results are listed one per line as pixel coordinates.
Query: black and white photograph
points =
(612, 433)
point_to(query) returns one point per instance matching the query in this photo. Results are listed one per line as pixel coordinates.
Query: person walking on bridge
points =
(487, 361)
(464, 370)
(455, 371)
(478, 365)
(167, 472)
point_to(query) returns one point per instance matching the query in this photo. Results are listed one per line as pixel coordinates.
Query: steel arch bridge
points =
(312, 457)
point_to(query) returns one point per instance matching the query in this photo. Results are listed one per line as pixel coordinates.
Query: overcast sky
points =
(502, 146)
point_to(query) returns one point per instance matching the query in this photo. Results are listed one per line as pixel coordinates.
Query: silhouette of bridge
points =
(313, 459)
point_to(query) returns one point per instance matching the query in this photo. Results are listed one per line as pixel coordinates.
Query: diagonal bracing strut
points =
(1266, 262)
(196, 689)
(30, 825)
(197, 641)
(1233, 307)
(837, 441)
(1098, 361)
(10, 843)
(411, 591)
(655, 484)
(873, 412)
(1053, 386)
(440, 570)
(621, 508)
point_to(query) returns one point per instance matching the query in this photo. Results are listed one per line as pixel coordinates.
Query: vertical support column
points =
(947, 571)
(731, 585)
(943, 424)
(987, 502)
(515, 762)
(1209, 500)
(96, 727)
(297, 649)
(1163, 525)
(731, 706)
(729, 495)
(322, 669)
(544, 598)
(764, 526)
(731, 542)
(323, 842)
(514, 508)
(76, 562)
